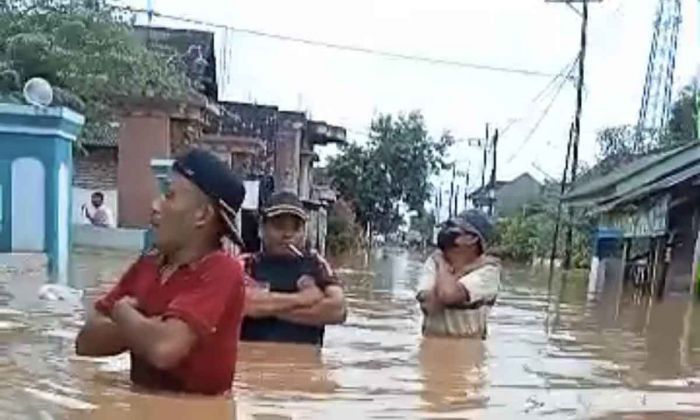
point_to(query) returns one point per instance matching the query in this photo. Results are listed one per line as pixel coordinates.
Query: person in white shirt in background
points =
(98, 214)
(459, 283)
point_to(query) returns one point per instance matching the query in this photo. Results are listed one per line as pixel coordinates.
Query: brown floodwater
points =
(552, 355)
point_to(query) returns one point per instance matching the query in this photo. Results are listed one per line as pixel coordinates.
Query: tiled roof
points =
(103, 135)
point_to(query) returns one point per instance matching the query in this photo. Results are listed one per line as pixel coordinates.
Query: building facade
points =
(649, 210)
(508, 197)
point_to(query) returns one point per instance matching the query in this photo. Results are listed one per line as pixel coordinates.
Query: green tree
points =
(343, 233)
(424, 223)
(85, 49)
(530, 233)
(621, 144)
(682, 126)
(392, 168)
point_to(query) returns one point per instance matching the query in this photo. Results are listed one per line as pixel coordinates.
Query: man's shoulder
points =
(431, 262)
(488, 268)
(147, 259)
(220, 261)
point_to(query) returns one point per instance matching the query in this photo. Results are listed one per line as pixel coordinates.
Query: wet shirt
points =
(208, 295)
(282, 273)
(467, 319)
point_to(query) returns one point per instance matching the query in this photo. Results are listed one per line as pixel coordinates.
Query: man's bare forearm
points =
(263, 304)
(329, 310)
(139, 332)
(100, 337)
(322, 313)
(163, 342)
(448, 290)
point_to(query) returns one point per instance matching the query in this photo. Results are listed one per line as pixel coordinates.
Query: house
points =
(96, 160)
(508, 197)
(285, 161)
(648, 214)
(271, 149)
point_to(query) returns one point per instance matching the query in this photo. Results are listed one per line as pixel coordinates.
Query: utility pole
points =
(452, 191)
(457, 200)
(149, 13)
(492, 193)
(466, 190)
(576, 135)
(483, 167)
(562, 189)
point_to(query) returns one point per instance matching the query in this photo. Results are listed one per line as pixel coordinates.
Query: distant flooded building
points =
(508, 197)
(648, 214)
(286, 161)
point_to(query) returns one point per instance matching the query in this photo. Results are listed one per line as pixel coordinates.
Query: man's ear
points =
(204, 214)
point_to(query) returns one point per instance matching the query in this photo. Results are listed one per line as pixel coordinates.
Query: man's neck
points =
(459, 261)
(187, 255)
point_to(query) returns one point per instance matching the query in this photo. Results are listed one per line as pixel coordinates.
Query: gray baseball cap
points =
(473, 221)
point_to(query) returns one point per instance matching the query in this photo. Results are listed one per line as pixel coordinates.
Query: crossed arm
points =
(164, 343)
(310, 306)
(446, 289)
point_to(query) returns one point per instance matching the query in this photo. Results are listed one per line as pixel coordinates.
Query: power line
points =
(539, 121)
(564, 72)
(347, 47)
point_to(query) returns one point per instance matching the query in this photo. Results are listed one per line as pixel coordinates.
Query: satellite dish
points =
(38, 92)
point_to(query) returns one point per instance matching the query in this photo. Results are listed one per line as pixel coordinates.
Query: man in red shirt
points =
(179, 311)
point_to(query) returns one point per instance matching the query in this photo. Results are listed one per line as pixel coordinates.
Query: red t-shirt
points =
(208, 295)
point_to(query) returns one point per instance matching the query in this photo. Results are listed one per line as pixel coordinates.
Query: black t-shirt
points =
(282, 274)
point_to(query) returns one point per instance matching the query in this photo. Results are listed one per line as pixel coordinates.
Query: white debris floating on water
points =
(9, 321)
(65, 402)
(55, 292)
(10, 326)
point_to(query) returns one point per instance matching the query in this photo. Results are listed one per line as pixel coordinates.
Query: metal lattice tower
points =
(658, 86)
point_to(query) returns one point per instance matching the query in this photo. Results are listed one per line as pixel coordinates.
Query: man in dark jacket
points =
(292, 293)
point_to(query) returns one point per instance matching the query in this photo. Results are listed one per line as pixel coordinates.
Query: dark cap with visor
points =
(218, 182)
(284, 202)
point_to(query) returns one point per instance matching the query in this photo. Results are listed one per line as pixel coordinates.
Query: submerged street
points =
(607, 359)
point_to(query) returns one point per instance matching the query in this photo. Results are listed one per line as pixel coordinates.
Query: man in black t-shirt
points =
(291, 293)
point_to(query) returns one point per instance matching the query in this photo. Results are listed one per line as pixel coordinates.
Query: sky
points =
(349, 88)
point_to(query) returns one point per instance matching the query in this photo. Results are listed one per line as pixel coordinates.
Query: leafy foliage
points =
(343, 232)
(394, 167)
(424, 223)
(621, 144)
(85, 49)
(529, 234)
(682, 126)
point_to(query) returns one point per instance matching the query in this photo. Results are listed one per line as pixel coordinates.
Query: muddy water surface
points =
(617, 357)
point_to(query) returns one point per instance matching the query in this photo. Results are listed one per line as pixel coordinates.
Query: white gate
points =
(28, 206)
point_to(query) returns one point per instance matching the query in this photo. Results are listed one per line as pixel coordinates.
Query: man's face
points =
(178, 214)
(282, 231)
(465, 244)
(97, 201)
(467, 240)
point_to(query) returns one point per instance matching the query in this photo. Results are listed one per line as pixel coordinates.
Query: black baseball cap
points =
(218, 182)
(284, 202)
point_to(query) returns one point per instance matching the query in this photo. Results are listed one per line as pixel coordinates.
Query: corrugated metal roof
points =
(598, 187)
(653, 187)
(640, 177)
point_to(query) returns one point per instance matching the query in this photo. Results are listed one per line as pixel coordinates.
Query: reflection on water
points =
(557, 356)
(453, 374)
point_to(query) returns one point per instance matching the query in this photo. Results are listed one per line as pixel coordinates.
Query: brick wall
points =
(97, 170)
